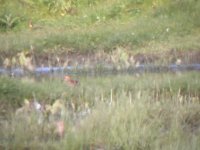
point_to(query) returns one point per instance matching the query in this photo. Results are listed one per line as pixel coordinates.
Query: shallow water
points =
(108, 70)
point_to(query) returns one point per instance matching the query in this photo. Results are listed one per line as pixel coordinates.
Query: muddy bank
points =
(117, 58)
(92, 59)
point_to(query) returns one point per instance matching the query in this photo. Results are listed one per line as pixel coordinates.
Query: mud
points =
(91, 60)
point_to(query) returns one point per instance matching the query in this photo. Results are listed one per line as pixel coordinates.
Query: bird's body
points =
(30, 24)
(60, 128)
(70, 81)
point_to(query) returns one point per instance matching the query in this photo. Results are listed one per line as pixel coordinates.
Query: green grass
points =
(139, 26)
(53, 88)
(153, 111)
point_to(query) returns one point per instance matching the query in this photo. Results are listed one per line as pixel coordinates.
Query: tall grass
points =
(127, 112)
(90, 87)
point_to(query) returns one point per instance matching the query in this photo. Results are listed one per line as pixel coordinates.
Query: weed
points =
(9, 21)
(136, 25)
(126, 113)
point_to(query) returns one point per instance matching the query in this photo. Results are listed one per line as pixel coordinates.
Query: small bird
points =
(60, 128)
(70, 81)
(30, 24)
(55, 114)
(33, 26)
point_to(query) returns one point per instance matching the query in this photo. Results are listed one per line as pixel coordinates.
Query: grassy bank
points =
(48, 90)
(146, 111)
(127, 112)
(87, 26)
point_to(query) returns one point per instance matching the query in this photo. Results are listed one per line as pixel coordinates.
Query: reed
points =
(122, 112)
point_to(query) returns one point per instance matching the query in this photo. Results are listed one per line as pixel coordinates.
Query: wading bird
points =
(58, 113)
(60, 128)
(30, 24)
(70, 81)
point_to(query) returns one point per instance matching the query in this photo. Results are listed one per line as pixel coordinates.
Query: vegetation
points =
(143, 111)
(85, 26)
(127, 112)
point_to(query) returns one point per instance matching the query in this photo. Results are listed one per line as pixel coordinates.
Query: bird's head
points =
(67, 78)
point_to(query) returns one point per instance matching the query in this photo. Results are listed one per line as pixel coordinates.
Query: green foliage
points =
(101, 25)
(162, 85)
(120, 58)
(127, 112)
(8, 21)
(13, 92)
(55, 6)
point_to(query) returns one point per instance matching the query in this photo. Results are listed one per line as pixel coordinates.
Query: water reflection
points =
(108, 70)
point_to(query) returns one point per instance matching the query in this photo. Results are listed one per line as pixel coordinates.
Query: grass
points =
(139, 26)
(149, 111)
(54, 88)
(128, 112)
